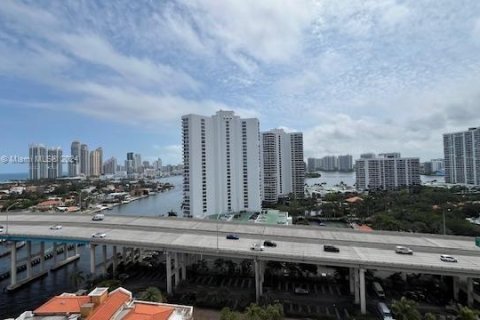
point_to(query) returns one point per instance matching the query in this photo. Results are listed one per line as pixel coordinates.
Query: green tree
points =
(465, 313)
(227, 314)
(152, 294)
(429, 316)
(405, 309)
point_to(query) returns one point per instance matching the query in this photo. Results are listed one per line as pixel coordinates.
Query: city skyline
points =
(354, 77)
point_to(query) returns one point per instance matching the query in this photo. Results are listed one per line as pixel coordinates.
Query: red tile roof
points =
(147, 311)
(111, 305)
(62, 305)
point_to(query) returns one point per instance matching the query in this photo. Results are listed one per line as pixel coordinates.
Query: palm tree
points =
(77, 278)
(406, 309)
(429, 316)
(152, 294)
(465, 313)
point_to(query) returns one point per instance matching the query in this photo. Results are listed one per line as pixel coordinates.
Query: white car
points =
(56, 227)
(257, 247)
(447, 258)
(99, 235)
(403, 250)
(1, 228)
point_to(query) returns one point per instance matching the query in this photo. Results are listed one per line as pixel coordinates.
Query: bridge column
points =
(104, 258)
(65, 251)
(470, 291)
(29, 259)
(363, 302)
(258, 279)
(356, 285)
(42, 256)
(168, 267)
(176, 269)
(351, 280)
(115, 261)
(404, 276)
(75, 249)
(92, 259)
(55, 247)
(13, 263)
(455, 287)
(184, 266)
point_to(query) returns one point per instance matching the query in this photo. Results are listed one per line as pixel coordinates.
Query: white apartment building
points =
(96, 162)
(74, 163)
(345, 163)
(55, 165)
(222, 164)
(38, 168)
(462, 156)
(283, 167)
(387, 171)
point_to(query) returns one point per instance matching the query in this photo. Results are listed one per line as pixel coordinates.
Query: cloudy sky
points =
(354, 76)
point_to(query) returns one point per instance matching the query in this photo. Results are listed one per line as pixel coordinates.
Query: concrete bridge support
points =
(114, 261)
(359, 288)
(259, 278)
(13, 264)
(29, 259)
(42, 256)
(93, 262)
(54, 253)
(168, 267)
(456, 289)
(183, 266)
(470, 292)
(104, 259)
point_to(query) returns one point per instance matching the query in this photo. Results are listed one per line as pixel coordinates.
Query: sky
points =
(354, 76)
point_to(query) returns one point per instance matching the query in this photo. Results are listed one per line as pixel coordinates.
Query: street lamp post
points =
(444, 226)
(6, 211)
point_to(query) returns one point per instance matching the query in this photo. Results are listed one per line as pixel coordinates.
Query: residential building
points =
(99, 304)
(387, 172)
(221, 163)
(426, 168)
(369, 155)
(96, 162)
(329, 163)
(84, 160)
(130, 163)
(345, 163)
(54, 165)
(311, 165)
(437, 166)
(462, 156)
(283, 166)
(137, 160)
(74, 163)
(38, 164)
(110, 166)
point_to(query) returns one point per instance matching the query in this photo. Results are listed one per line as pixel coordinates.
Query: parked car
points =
(403, 250)
(269, 243)
(232, 237)
(447, 258)
(301, 291)
(330, 248)
(99, 235)
(384, 311)
(257, 247)
(378, 290)
(56, 227)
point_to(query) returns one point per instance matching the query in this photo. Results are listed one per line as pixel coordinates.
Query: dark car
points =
(330, 248)
(269, 243)
(232, 237)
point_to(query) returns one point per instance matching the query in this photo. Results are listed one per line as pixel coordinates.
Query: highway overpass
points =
(181, 238)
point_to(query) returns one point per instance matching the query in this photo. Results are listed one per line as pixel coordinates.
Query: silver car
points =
(403, 250)
(448, 258)
(99, 235)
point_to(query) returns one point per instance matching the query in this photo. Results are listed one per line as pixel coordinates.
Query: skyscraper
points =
(387, 172)
(462, 156)
(54, 163)
(110, 166)
(282, 171)
(96, 161)
(130, 163)
(84, 160)
(345, 163)
(138, 163)
(38, 162)
(222, 167)
(74, 163)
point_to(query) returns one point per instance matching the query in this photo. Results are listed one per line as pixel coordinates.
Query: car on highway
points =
(98, 217)
(269, 243)
(403, 250)
(447, 258)
(56, 227)
(99, 235)
(232, 236)
(257, 247)
(330, 248)
(1, 228)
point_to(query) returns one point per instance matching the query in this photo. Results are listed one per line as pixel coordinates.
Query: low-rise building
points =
(102, 305)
